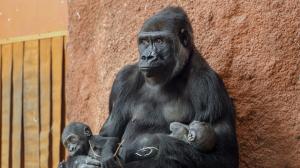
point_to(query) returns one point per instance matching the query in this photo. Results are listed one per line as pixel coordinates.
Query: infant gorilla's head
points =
(75, 138)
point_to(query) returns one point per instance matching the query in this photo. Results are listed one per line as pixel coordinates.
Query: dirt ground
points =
(253, 45)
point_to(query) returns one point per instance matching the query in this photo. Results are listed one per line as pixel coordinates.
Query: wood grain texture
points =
(45, 101)
(31, 104)
(17, 109)
(6, 104)
(0, 99)
(57, 60)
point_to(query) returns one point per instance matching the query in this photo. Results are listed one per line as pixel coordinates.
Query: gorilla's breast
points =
(177, 110)
(159, 113)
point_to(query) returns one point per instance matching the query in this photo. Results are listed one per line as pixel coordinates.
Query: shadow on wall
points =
(254, 46)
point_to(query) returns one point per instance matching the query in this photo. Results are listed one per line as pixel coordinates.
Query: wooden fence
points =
(31, 104)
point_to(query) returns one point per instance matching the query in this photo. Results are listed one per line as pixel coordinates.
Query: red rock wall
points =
(253, 45)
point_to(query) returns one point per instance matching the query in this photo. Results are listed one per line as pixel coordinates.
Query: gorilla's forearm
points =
(177, 151)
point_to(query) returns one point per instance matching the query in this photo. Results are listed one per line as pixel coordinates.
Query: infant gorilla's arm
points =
(199, 134)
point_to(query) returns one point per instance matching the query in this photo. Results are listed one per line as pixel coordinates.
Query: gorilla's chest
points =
(162, 111)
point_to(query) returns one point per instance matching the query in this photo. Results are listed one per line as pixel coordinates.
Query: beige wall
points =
(26, 17)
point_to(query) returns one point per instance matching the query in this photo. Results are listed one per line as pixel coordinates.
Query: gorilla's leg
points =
(144, 147)
(159, 150)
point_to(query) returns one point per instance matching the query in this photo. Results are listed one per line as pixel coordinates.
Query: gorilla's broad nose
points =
(150, 57)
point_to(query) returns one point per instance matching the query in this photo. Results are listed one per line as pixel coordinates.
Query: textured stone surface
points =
(253, 45)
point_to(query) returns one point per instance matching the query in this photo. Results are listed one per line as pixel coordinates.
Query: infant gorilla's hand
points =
(62, 164)
(88, 162)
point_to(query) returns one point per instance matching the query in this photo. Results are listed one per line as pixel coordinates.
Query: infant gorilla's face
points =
(76, 144)
(195, 130)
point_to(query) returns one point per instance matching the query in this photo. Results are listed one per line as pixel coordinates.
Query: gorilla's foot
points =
(146, 152)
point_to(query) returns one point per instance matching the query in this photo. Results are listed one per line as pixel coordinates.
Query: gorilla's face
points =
(156, 50)
(163, 48)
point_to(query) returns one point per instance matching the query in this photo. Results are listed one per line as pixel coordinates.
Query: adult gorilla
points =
(171, 82)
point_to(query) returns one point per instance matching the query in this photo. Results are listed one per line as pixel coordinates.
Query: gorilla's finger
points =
(91, 161)
(88, 166)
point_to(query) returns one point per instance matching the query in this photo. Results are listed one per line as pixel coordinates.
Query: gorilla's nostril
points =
(143, 57)
(72, 149)
(150, 57)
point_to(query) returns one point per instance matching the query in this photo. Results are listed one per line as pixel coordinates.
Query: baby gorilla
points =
(199, 134)
(77, 138)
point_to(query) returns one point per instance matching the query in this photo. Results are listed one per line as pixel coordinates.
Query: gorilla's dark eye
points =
(158, 41)
(145, 42)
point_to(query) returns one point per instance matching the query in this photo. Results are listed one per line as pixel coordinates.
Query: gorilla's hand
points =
(146, 152)
(111, 162)
(88, 162)
(62, 164)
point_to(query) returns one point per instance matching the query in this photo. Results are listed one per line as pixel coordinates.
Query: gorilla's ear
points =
(183, 37)
(87, 132)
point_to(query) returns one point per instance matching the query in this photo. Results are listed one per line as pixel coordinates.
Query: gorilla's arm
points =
(186, 155)
(118, 118)
(210, 98)
(213, 105)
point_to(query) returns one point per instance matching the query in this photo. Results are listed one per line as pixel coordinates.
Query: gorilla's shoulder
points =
(128, 72)
(129, 77)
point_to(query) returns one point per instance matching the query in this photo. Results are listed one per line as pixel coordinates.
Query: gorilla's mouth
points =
(145, 68)
(150, 70)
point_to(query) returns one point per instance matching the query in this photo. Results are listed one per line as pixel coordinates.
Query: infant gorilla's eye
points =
(73, 139)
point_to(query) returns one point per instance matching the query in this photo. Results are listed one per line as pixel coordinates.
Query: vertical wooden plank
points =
(64, 73)
(31, 104)
(63, 92)
(6, 104)
(17, 103)
(45, 101)
(0, 100)
(57, 60)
